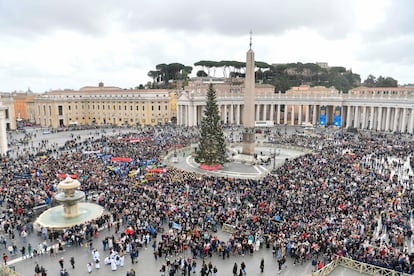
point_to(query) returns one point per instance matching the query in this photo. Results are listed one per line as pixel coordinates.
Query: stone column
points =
(364, 117)
(257, 117)
(348, 116)
(387, 119)
(190, 115)
(404, 121)
(238, 113)
(411, 126)
(278, 114)
(396, 116)
(285, 114)
(314, 115)
(272, 112)
(195, 117)
(225, 113)
(300, 115)
(292, 115)
(232, 114)
(371, 120)
(3, 132)
(307, 114)
(356, 117)
(379, 126)
(185, 118)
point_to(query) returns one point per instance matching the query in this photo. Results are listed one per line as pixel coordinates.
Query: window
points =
(60, 110)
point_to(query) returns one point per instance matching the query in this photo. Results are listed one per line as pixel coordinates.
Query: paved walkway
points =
(185, 161)
(148, 266)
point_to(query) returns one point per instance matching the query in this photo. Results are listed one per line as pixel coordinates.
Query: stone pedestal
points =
(249, 138)
(71, 211)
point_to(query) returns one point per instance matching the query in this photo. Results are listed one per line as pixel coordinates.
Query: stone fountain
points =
(69, 197)
(71, 211)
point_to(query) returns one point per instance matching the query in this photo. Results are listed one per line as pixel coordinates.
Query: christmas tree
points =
(212, 146)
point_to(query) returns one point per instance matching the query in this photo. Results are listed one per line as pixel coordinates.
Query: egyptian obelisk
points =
(248, 109)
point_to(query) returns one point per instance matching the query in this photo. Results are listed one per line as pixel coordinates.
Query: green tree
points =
(201, 73)
(386, 82)
(370, 81)
(212, 146)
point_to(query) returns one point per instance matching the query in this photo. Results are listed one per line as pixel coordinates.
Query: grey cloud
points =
(397, 50)
(398, 22)
(332, 18)
(32, 18)
(235, 18)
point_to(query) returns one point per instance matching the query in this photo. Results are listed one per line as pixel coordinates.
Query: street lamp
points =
(276, 152)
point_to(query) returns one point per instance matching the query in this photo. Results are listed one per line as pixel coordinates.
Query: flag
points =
(176, 226)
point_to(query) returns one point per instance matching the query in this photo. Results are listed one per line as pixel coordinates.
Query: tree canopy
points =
(282, 76)
(165, 73)
(372, 81)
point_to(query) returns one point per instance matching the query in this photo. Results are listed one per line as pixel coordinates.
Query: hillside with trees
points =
(282, 76)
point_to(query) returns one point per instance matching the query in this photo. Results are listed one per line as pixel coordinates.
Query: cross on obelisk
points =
(248, 110)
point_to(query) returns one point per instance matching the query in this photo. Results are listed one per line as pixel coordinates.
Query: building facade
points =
(103, 105)
(23, 106)
(383, 109)
(7, 102)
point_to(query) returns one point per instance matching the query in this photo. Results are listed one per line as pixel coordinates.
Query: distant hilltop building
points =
(323, 65)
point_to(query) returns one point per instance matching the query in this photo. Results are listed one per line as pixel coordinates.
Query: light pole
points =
(276, 152)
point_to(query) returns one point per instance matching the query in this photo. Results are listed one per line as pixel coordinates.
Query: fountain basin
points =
(54, 218)
(63, 198)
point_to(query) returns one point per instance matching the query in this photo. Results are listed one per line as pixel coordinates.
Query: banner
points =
(322, 116)
(337, 116)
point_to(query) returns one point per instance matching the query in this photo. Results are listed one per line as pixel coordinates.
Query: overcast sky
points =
(49, 44)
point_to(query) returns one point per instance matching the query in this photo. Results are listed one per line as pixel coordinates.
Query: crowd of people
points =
(350, 197)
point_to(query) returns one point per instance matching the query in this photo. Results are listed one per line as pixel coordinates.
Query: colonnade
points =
(391, 118)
